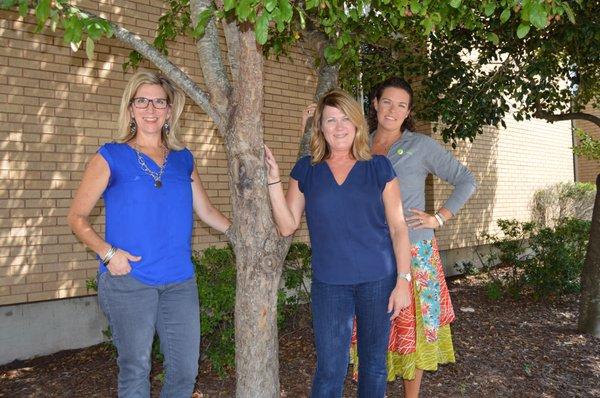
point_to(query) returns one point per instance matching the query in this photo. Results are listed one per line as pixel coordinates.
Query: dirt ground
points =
(503, 349)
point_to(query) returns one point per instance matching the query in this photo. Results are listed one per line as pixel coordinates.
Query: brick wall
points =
(587, 170)
(57, 108)
(509, 165)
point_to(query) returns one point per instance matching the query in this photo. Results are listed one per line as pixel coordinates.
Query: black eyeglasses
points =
(142, 103)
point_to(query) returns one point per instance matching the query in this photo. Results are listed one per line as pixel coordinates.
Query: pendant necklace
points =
(157, 177)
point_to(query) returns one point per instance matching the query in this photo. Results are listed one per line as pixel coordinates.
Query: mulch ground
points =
(503, 349)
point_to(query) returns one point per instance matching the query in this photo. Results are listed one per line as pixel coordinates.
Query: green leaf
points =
(42, 11)
(228, 5)
(569, 12)
(244, 9)
(415, 6)
(94, 31)
(505, 15)
(286, 10)
(23, 8)
(455, 3)
(427, 23)
(89, 48)
(6, 4)
(492, 37)
(538, 16)
(489, 9)
(302, 19)
(311, 4)
(203, 20)
(332, 54)
(261, 28)
(522, 30)
(270, 5)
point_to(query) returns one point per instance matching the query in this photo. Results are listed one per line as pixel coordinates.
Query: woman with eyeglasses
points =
(146, 280)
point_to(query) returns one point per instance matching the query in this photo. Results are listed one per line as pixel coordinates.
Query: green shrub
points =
(215, 275)
(509, 249)
(541, 260)
(558, 256)
(215, 272)
(466, 268)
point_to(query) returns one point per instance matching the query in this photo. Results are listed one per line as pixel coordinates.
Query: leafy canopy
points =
(470, 56)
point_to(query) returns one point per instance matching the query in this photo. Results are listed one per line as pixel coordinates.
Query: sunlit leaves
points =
(89, 48)
(42, 13)
(505, 15)
(492, 37)
(203, 20)
(522, 30)
(261, 28)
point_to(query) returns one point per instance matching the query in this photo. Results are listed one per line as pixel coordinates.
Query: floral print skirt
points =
(420, 337)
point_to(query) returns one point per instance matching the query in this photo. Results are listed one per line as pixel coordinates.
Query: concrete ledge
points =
(34, 329)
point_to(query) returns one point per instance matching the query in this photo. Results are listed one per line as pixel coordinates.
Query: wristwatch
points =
(407, 276)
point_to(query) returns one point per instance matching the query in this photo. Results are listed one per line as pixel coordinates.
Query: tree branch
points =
(209, 51)
(248, 86)
(551, 117)
(232, 37)
(327, 79)
(161, 62)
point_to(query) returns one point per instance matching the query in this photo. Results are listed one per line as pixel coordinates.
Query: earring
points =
(132, 127)
(166, 129)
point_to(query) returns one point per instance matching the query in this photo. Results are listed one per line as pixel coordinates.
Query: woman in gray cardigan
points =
(420, 337)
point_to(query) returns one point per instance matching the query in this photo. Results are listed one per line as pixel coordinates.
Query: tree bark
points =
(589, 309)
(259, 249)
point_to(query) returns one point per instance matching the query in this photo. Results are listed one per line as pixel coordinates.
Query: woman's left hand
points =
(400, 298)
(272, 166)
(420, 220)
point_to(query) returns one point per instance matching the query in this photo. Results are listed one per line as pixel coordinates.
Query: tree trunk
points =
(258, 248)
(589, 310)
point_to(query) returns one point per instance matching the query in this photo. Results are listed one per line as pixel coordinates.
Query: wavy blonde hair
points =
(344, 102)
(175, 98)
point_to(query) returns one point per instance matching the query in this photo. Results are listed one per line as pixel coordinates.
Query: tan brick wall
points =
(57, 108)
(509, 165)
(587, 170)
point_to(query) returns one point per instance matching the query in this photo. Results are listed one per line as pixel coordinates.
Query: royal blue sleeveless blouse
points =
(154, 223)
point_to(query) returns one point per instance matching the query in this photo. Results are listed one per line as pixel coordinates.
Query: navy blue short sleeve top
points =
(154, 223)
(348, 230)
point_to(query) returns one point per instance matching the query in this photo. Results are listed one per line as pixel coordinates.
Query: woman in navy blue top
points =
(146, 281)
(361, 257)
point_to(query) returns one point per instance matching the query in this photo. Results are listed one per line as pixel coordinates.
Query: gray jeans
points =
(135, 311)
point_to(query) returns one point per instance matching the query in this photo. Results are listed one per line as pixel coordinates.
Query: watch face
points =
(406, 276)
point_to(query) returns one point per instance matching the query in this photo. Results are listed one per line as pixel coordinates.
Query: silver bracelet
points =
(109, 254)
(440, 219)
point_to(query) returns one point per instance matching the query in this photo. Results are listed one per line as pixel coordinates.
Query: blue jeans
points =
(135, 311)
(333, 311)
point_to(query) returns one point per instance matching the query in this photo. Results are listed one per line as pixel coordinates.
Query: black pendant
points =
(157, 183)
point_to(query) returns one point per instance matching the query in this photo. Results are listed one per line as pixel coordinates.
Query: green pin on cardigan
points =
(400, 151)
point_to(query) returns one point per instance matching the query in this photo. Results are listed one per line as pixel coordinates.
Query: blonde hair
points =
(175, 98)
(349, 106)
